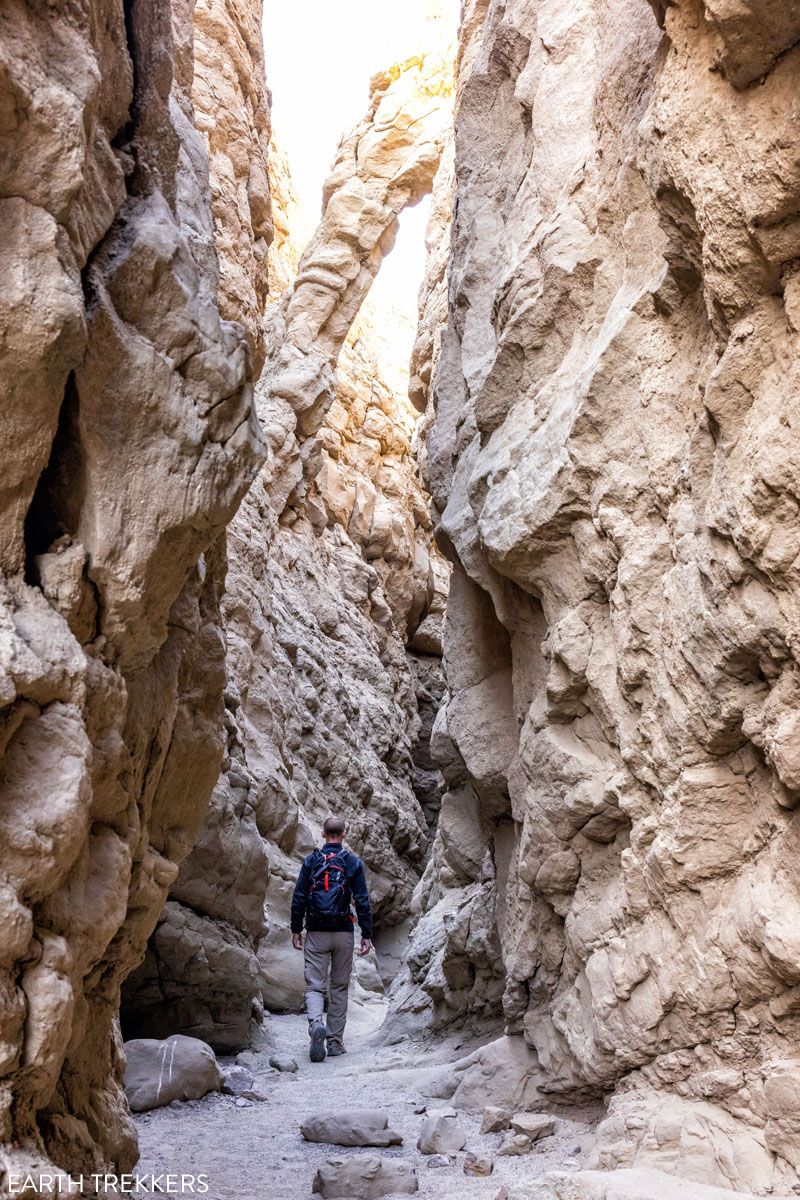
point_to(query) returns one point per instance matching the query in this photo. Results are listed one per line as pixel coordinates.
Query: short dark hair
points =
(334, 827)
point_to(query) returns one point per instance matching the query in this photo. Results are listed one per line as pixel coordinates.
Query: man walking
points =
(329, 880)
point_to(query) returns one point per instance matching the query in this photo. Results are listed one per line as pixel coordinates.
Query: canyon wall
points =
(613, 462)
(231, 108)
(128, 439)
(333, 602)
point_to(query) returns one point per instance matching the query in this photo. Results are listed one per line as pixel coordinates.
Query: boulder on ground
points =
(282, 1062)
(366, 972)
(440, 1160)
(365, 1177)
(351, 1127)
(179, 1068)
(254, 1060)
(480, 1165)
(495, 1119)
(237, 1080)
(282, 982)
(504, 1072)
(441, 1134)
(439, 1083)
(515, 1143)
(533, 1125)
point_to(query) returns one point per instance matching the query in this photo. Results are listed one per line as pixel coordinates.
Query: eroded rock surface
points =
(614, 472)
(231, 108)
(128, 438)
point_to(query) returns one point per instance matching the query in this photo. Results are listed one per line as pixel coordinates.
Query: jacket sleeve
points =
(300, 898)
(358, 886)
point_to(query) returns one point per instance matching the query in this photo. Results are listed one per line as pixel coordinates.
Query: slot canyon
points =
(509, 582)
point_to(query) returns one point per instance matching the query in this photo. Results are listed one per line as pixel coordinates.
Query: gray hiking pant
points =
(324, 951)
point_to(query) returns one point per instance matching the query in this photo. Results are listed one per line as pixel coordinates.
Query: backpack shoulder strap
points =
(352, 861)
(345, 858)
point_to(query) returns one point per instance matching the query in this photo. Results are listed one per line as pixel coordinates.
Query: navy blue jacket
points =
(357, 882)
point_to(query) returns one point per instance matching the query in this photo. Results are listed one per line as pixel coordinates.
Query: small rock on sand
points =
(282, 1062)
(514, 1144)
(237, 1080)
(365, 1177)
(479, 1165)
(351, 1127)
(533, 1125)
(441, 1134)
(495, 1119)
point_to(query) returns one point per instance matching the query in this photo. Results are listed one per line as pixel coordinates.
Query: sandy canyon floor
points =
(258, 1152)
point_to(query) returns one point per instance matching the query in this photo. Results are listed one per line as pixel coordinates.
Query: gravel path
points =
(258, 1153)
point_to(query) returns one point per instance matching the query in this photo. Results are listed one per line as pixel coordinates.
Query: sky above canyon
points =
(319, 60)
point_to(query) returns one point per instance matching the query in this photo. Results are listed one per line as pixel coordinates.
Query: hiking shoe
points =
(335, 1048)
(318, 1034)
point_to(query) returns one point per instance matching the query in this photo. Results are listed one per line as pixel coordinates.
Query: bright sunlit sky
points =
(320, 55)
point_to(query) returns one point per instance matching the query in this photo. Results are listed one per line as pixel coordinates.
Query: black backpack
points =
(329, 894)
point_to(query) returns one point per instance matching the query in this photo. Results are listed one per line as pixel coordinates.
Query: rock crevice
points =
(333, 604)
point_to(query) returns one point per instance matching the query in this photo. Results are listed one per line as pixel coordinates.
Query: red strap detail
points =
(326, 881)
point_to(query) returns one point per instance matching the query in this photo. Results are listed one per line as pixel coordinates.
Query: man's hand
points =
(297, 941)
(365, 947)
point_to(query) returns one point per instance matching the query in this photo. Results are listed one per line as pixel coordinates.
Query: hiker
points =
(329, 879)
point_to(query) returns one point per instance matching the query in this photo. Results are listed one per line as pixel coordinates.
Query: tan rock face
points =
(231, 108)
(62, 187)
(613, 468)
(387, 163)
(433, 292)
(128, 439)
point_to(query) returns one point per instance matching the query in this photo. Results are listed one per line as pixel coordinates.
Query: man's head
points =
(334, 829)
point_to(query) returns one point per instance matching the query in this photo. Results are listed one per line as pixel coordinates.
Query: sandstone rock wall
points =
(331, 575)
(385, 164)
(214, 911)
(128, 438)
(613, 466)
(231, 106)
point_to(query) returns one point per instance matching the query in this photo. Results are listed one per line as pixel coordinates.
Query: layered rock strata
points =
(614, 474)
(128, 439)
(332, 574)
